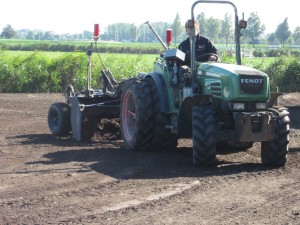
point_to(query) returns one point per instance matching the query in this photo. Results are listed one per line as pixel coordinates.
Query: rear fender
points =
(162, 91)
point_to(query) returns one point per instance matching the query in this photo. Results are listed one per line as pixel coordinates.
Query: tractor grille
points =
(251, 84)
(216, 89)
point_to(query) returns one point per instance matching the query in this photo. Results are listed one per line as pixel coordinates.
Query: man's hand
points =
(212, 58)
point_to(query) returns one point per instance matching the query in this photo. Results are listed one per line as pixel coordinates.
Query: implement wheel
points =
(59, 119)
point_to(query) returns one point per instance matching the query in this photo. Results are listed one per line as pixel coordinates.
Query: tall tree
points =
(177, 28)
(8, 32)
(120, 32)
(39, 36)
(296, 35)
(203, 23)
(272, 38)
(283, 32)
(133, 33)
(88, 34)
(254, 27)
(160, 28)
(226, 28)
(144, 33)
(213, 28)
(30, 35)
(48, 35)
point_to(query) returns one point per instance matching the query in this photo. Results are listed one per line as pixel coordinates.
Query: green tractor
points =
(215, 104)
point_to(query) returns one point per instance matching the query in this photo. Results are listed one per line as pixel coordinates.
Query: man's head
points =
(189, 25)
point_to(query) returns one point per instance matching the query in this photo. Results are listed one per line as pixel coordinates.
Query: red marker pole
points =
(96, 32)
(169, 37)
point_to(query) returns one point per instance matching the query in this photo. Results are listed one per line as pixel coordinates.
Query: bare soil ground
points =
(49, 180)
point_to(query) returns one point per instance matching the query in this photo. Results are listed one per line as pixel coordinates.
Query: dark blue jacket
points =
(203, 45)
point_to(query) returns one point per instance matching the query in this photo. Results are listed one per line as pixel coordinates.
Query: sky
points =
(75, 16)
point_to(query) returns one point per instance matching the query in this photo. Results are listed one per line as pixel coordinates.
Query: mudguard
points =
(160, 84)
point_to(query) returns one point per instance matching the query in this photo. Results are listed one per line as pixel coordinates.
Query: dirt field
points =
(47, 180)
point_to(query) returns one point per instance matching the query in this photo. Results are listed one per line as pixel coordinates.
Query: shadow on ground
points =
(120, 163)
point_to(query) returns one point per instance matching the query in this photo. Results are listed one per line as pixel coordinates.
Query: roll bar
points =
(193, 34)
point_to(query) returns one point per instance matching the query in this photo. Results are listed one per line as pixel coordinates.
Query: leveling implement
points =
(215, 104)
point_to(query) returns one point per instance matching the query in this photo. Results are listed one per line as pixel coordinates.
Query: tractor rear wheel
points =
(59, 119)
(163, 139)
(274, 153)
(204, 140)
(137, 115)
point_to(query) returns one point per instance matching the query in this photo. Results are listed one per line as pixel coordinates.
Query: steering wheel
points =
(205, 56)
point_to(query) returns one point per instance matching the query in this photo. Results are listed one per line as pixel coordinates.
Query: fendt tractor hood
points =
(233, 82)
(226, 69)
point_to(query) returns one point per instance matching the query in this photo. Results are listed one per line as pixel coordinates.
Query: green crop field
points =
(147, 58)
(50, 71)
(23, 71)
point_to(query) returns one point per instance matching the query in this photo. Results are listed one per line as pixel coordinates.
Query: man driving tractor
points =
(203, 46)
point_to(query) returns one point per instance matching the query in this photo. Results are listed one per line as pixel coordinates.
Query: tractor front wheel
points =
(274, 153)
(204, 140)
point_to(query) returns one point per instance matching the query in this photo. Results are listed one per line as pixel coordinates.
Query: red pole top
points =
(169, 36)
(96, 31)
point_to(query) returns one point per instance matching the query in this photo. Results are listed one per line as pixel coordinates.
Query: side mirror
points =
(243, 24)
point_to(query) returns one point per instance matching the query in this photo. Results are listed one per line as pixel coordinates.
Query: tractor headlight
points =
(261, 105)
(238, 106)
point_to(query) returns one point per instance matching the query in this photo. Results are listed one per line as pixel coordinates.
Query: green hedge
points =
(59, 46)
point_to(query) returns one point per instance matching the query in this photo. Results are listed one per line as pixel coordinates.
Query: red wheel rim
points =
(128, 116)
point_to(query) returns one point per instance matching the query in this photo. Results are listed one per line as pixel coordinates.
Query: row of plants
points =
(63, 46)
(38, 72)
(275, 52)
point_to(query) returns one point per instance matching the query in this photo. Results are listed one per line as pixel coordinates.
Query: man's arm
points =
(212, 49)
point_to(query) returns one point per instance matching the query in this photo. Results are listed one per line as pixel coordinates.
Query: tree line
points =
(219, 30)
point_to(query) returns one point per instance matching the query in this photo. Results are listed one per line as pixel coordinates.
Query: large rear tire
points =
(59, 119)
(204, 140)
(137, 115)
(274, 153)
(163, 139)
